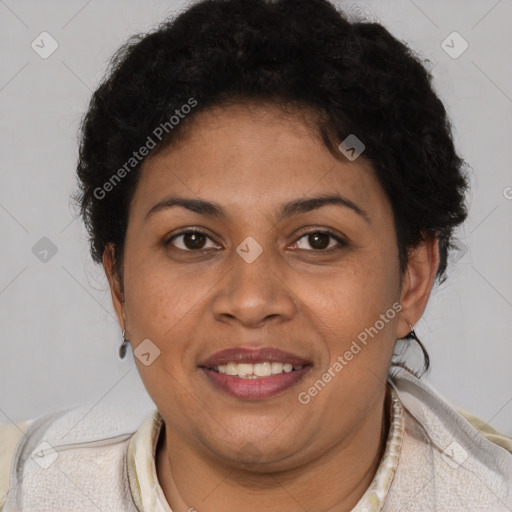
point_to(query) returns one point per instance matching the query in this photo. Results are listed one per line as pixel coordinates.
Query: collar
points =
(148, 495)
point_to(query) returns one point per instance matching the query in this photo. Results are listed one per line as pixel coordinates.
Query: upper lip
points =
(252, 355)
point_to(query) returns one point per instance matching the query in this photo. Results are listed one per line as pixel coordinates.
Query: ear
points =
(113, 281)
(417, 283)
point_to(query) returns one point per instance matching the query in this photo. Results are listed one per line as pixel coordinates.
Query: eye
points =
(320, 241)
(194, 240)
(191, 240)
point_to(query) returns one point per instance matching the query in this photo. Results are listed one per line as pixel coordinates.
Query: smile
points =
(255, 371)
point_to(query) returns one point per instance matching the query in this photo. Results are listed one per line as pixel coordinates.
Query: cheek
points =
(356, 314)
(352, 296)
(356, 311)
(162, 305)
(158, 298)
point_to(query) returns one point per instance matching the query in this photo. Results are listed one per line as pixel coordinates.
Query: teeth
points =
(245, 369)
(276, 367)
(262, 369)
(254, 371)
(231, 369)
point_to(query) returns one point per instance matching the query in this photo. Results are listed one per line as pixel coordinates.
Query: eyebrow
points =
(295, 207)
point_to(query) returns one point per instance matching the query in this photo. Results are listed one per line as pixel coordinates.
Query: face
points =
(266, 267)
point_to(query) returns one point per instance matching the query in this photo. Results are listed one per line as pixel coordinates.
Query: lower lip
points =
(255, 389)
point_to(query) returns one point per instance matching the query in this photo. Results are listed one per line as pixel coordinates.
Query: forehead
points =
(247, 152)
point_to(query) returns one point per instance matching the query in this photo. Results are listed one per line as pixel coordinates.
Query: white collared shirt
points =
(148, 495)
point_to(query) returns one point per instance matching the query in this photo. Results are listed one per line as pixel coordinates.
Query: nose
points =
(255, 294)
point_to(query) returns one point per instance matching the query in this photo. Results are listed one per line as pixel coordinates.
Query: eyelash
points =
(341, 243)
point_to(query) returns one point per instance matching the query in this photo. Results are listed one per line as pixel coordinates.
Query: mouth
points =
(254, 373)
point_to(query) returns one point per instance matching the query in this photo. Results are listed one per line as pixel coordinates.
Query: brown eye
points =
(320, 241)
(190, 241)
(194, 240)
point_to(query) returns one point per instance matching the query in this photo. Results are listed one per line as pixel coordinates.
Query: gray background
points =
(59, 335)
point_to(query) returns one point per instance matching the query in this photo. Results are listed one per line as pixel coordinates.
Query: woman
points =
(272, 192)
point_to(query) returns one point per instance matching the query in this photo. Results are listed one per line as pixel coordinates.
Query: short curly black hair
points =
(356, 76)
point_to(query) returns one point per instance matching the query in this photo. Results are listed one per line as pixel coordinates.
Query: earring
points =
(123, 347)
(412, 334)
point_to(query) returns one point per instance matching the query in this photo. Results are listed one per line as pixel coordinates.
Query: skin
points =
(217, 451)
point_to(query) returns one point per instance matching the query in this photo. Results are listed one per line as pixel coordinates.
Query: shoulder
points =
(87, 443)
(487, 431)
(9, 437)
(448, 458)
(432, 407)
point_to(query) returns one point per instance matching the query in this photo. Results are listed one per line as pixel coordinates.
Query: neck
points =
(333, 482)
